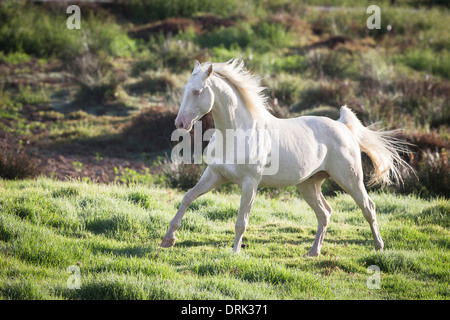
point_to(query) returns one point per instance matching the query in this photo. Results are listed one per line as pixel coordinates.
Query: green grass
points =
(112, 234)
(45, 34)
(428, 61)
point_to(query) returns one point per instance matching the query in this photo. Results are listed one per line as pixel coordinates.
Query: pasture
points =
(87, 188)
(112, 234)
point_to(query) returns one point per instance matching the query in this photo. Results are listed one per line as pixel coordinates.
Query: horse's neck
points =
(229, 111)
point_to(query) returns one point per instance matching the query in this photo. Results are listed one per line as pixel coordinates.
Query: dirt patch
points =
(173, 26)
(329, 43)
(210, 22)
(105, 170)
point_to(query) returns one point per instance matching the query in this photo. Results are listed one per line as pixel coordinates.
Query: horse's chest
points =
(236, 172)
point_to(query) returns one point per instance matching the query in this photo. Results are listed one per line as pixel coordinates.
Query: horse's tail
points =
(382, 148)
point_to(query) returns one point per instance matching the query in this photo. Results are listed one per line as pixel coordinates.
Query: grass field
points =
(87, 189)
(110, 234)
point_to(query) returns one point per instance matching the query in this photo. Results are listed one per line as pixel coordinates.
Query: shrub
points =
(433, 175)
(96, 77)
(269, 36)
(150, 62)
(420, 100)
(169, 53)
(437, 63)
(334, 94)
(284, 88)
(331, 188)
(237, 36)
(16, 161)
(152, 128)
(261, 37)
(290, 63)
(183, 176)
(153, 83)
(330, 63)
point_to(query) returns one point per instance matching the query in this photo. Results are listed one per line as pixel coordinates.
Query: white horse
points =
(311, 149)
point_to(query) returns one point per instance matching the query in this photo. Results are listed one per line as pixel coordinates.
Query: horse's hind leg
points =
(353, 184)
(310, 190)
(367, 206)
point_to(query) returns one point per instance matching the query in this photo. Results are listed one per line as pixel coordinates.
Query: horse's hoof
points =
(379, 246)
(167, 243)
(311, 255)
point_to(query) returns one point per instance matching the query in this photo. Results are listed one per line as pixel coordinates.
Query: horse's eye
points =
(196, 92)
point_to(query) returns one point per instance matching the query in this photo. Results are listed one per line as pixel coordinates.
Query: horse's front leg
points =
(249, 188)
(208, 181)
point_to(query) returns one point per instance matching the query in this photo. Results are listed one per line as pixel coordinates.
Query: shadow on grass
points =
(206, 242)
(251, 243)
(129, 251)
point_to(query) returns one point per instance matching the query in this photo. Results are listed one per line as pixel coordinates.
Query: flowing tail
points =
(382, 148)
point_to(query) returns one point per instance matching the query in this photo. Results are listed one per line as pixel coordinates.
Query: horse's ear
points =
(209, 72)
(196, 66)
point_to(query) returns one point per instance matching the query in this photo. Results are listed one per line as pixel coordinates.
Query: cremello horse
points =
(311, 149)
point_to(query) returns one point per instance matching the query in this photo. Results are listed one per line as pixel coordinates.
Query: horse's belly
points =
(285, 179)
(293, 170)
(297, 161)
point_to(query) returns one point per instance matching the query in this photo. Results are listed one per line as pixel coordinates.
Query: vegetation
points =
(112, 234)
(95, 108)
(313, 61)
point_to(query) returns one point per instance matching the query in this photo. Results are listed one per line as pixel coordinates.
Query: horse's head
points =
(198, 98)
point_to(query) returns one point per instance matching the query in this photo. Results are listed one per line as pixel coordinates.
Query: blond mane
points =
(247, 84)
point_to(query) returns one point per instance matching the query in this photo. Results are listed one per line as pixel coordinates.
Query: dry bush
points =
(426, 99)
(152, 127)
(334, 94)
(97, 78)
(183, 176)
(157, 83)
(421, 101)
(332, 63)
(16, 161)
(432, 174)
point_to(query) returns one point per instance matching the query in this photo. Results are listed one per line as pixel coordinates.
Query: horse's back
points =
(308, 145)
(319, 130)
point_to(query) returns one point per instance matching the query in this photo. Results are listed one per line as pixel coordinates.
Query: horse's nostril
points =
(179, 124)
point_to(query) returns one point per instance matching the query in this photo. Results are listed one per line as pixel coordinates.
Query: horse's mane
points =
(247, 84)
